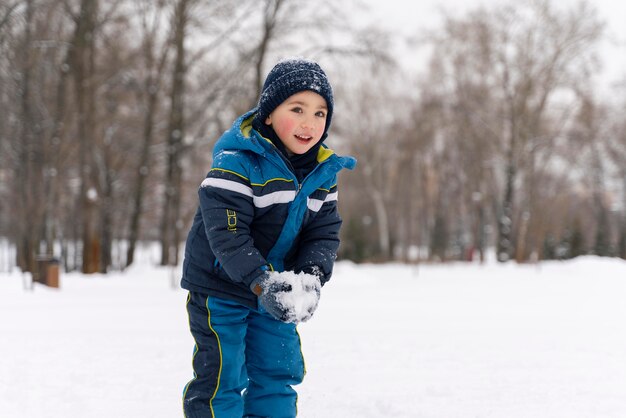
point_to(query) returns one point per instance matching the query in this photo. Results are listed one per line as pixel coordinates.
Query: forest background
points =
(498, 135)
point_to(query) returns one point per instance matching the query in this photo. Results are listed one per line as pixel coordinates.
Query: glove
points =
(271, 292)
(313, 270)
(287, 296)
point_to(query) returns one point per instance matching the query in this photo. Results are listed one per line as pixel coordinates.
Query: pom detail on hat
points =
(291, 76)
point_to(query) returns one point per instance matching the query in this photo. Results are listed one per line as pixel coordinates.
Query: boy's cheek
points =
(284, 128)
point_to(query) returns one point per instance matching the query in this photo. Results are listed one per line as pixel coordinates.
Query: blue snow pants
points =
(245, 362)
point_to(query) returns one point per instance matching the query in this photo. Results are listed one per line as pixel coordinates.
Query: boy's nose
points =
(308, 123)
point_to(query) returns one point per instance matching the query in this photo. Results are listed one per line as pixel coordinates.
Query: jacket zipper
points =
(285, 167)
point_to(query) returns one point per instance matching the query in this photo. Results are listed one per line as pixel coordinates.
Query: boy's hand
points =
(287, 296)
(271, 292)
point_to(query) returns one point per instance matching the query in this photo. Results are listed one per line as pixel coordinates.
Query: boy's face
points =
(299, 121)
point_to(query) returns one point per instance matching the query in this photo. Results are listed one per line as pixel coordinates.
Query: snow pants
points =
(244, 361)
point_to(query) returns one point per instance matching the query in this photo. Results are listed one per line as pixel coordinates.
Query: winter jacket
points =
(255, 216)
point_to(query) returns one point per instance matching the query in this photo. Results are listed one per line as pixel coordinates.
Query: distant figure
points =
(263, 243)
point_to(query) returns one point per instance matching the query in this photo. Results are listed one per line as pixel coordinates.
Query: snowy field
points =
(445, 341)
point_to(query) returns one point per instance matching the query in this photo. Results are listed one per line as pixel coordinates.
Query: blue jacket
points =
(254, 216)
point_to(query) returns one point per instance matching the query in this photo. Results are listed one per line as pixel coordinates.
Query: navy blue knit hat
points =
(292, 76)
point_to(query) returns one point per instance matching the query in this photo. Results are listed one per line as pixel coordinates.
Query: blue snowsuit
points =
(254, 215)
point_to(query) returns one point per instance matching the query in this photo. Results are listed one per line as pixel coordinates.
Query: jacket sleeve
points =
(227, 207)
(319, 240)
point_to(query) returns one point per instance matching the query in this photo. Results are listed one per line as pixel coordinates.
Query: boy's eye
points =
(321, 114)
(296, 109)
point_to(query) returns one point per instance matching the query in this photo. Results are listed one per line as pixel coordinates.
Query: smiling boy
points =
(263, 242)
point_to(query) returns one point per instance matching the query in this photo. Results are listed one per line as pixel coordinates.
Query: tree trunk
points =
(382, 219)
(505, 220)
(27, 169)
(53, 184)
(149, 96)
(520, 247)
(83, 54)
(170, 218)
(142, 172)
(106, 222)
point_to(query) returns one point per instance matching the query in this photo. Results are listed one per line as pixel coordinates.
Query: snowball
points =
(302, 300)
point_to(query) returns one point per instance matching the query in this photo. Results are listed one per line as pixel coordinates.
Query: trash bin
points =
(47, 271)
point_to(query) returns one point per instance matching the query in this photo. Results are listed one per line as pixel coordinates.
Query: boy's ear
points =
(268, 120)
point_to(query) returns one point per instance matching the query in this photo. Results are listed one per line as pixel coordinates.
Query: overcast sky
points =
(407, 17)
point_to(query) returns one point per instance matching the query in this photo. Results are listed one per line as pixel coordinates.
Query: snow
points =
(455, 340)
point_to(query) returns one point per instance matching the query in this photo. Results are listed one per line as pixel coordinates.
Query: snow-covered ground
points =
(443, 341)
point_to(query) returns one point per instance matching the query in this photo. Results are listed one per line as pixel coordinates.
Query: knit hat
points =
(292, 76)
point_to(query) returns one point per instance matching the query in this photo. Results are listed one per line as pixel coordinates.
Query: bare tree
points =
(616, 150)
(525, 55)
(154, 60)
(284, 20)
(82, 61)
(29, 154)
(590, 134)
(372, 138)
(271, 12)
(171, 223)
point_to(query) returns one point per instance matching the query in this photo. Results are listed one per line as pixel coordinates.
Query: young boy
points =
(263, 241)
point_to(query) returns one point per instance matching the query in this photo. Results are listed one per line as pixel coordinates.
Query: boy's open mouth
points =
(303, 138)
